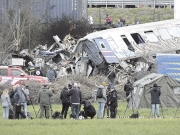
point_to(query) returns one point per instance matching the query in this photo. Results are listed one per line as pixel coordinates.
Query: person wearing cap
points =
(113, 102)
(51, 74)
(65, 100)
(44, 96)
(155, 100)
(101, 102)
(6, 103)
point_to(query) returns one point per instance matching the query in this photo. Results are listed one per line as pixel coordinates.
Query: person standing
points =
(65, 100)
(51, 74)
(6, 103)
(19, 100)
(44, 96)
(155, 100)
(76, 98)
(128, 87)
(101, 103)
(113, 102)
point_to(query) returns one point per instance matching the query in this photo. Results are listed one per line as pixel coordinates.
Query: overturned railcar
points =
(126, 47)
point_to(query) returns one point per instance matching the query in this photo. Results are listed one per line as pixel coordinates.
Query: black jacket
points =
(111, 75)
(76, 96)
(89, 109)
(155, 94)
(64, 95)
(128, 87)
(11, 95)
(113, 98)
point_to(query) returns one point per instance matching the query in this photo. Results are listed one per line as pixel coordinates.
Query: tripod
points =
(177, 109)
(133, 104)
(33, 107)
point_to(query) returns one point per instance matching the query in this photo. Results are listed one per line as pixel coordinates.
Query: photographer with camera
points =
(128, 88)
(44, 96)
(155, 99)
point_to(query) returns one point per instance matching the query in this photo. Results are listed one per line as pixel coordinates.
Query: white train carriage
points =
(129, 44)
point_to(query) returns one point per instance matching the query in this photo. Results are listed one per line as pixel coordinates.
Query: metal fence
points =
(128, 3)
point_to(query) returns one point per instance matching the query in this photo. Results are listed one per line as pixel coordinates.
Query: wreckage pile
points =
(88, 88)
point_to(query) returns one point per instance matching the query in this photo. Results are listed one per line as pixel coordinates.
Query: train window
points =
(130, 47)
(164, 34)
(103, 46)
(176, 31)
(112, 43)
(137, 38)
(151, 36)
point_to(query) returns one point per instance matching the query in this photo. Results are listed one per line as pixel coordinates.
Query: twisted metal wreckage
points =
(130, 50)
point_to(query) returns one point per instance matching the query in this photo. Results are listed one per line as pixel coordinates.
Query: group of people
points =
(71, 96)
(16, 99)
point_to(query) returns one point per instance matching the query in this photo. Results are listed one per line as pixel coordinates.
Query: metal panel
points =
(76, 9)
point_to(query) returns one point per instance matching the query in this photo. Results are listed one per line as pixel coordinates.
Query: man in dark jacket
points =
(128, 87)
(51, 74)
(155, 100)
(65, 100)
(89, 110)
(19, 99)
(76, 98)
(44, 96)
(113, 102)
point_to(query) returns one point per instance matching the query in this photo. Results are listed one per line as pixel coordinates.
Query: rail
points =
(125, 3)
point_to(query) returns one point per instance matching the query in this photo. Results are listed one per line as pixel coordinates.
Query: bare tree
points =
(21, 19)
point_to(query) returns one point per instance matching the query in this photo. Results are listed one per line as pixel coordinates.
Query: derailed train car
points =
(130, 49)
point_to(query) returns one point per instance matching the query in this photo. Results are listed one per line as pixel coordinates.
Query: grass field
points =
(119, 126)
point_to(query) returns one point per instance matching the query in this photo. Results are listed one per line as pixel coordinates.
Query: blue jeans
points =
(100, 110)
(24, 106)
(155, 106)
(6, 112)
(75, 108)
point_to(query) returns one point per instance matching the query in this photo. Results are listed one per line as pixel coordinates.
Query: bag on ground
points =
(99, 93)
(11, 113)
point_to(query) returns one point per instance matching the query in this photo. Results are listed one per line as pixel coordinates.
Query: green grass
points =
(144, 15)
(118, 126)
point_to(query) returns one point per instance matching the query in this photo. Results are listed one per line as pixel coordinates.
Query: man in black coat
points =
(128, 87)
(113, 103)
(65, 100)
(89, 110)
(155, 99)
(76, 98)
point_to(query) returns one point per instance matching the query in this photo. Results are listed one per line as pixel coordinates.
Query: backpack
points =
(99, 93)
